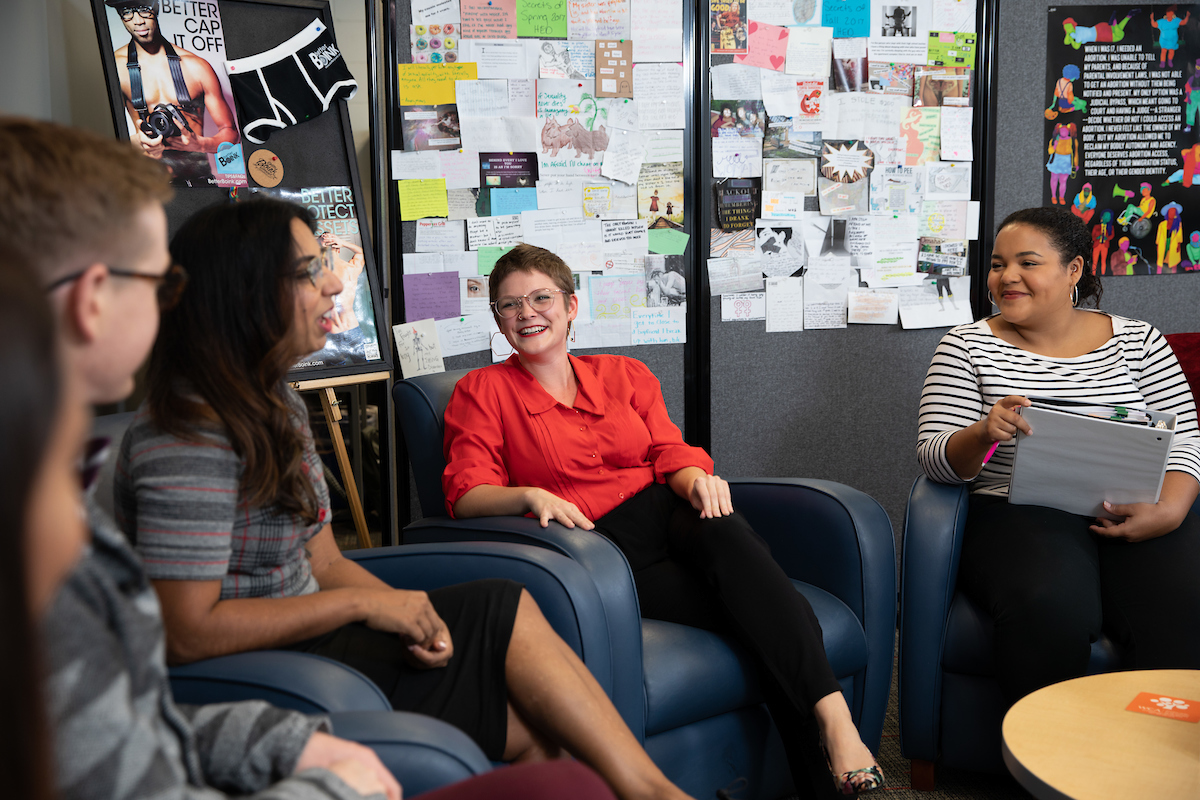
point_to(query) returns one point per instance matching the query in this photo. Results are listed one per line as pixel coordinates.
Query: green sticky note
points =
(667, 241)
(543, 19)
(488, 256)
(422, 198)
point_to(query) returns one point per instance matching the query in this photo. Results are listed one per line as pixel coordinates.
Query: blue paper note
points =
(431, 295)
(513, 201)
(848, 18)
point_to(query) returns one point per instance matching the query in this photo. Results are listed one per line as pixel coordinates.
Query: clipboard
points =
(1074, 461)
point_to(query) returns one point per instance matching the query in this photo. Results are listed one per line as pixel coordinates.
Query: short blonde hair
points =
(68, 197)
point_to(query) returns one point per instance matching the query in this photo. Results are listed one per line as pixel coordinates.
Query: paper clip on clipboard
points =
(1082, 453)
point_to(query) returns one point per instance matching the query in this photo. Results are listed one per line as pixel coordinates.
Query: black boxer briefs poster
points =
(187, 121)
(354, 338)
(1120, 133)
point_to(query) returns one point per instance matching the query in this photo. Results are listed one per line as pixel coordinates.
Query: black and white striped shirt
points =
(973, 368)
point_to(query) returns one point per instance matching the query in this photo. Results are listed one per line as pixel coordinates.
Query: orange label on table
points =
(1161, 705)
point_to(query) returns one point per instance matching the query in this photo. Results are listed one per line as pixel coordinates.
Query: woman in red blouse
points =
(586, 441)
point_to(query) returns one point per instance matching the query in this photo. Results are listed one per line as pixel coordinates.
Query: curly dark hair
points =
(1068, 235)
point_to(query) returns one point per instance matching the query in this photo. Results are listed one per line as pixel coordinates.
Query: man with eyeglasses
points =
(86, 215)
(167, 90)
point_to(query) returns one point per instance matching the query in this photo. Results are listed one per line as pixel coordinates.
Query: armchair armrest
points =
(564, 591)
(839, 539)
(302, 682)
(422, 752)
(933, 531)
(604, 563)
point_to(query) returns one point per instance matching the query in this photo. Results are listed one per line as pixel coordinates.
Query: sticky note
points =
(432, 84)
(424, 198)
(667, 241)
(513, 201)
(432, 295)
(543, 19)
(488, 256)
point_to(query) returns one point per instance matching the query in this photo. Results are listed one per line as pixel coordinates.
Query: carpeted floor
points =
(951, 784)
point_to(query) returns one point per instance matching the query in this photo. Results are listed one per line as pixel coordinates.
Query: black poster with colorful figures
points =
(1121, 136)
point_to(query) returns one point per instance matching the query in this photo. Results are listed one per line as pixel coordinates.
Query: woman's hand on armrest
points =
(1150, 520)
(511, 501)
(708, 494)
(968, 447)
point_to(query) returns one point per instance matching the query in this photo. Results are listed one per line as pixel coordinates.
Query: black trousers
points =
(1051, 586)
(718, 575)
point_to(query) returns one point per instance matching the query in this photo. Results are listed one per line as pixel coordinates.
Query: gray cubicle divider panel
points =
(833, 404)
(1168, 302)
(665, 361)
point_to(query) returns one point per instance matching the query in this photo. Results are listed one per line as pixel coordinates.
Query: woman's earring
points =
(492, 341)
(571, 329)
(1075, 295)
(991, 299)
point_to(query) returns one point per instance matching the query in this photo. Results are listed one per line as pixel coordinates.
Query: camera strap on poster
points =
(137, 96)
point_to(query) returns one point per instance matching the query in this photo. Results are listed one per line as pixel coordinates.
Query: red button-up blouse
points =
(504, 429)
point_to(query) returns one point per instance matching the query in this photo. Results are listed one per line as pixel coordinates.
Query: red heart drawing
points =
(783, 33)
(777, 61)
(753, 26)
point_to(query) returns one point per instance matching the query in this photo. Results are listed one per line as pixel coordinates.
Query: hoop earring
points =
(492, 341)
(991, 299)
(1075, 296)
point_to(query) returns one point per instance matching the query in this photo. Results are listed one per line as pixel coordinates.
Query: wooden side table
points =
(1075, 739)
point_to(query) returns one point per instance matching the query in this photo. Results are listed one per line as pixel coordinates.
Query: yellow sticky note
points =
(422, 198)
(432, 84)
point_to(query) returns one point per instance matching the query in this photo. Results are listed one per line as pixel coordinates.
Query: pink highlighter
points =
(991, 451)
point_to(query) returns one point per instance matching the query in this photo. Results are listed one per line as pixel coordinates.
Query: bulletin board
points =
(838, 398)
(567, 148)
(312, 162)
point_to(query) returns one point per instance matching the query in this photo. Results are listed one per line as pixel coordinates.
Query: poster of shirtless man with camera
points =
(178, 101)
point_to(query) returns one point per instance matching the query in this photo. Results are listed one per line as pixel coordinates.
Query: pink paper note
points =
(482, 19)
(767, 47)
(431, 295)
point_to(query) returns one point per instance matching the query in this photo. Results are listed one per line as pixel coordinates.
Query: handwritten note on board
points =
(768, 47)
(848, 18)
(431, 295)
(431, 84)
(656, 27)
(597, 19)
(664, 325)
(489, 19)
(543, 19)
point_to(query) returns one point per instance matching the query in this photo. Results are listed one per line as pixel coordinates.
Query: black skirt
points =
(470, 692)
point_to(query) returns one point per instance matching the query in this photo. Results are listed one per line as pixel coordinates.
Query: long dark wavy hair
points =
(28, 405)
(222, 353)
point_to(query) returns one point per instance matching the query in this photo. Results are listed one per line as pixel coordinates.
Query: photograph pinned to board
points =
(168, 114)
(665, 281)
(727, 21)
(737, 118)
(942, 86)
(660, 195)
(430, 127)
(849, 74)
(505, 171)
(784, 140)
(353, 338)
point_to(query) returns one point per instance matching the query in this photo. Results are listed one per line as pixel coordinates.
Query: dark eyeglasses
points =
(539, 300)
(316, 266)
(168, 287)
(145, 12)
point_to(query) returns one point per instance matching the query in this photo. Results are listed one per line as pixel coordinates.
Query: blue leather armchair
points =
(423, 752)
(950, 705)
(691, 696)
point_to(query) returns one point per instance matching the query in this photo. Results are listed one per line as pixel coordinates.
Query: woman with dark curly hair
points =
(1050, 579)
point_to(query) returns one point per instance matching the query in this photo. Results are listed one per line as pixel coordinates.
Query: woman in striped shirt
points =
(1051, 580)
